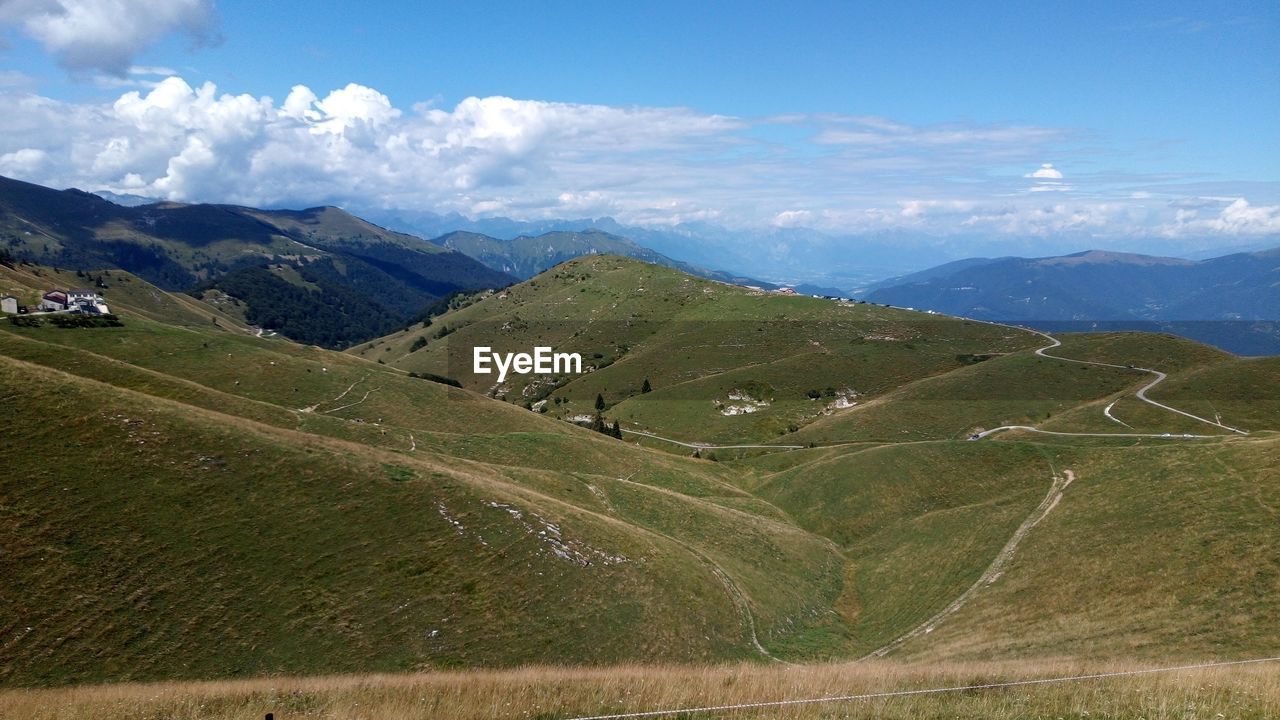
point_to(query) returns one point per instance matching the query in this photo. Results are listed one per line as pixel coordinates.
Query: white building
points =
(9, 304)
(53, 301)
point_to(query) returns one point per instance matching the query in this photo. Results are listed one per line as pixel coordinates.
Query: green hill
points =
(724, 363)
(276, 492)
(184, 499)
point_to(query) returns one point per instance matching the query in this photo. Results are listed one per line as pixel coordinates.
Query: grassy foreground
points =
(1249, 691)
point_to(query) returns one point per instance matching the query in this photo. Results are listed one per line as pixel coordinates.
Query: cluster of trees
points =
(336, 316)
(815, 394)
(600, 425)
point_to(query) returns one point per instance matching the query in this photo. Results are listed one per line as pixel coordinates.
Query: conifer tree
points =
(616, 430)
(646, 387)
(599, 402)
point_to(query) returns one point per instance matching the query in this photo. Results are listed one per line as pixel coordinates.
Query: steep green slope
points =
(1062, 550)
(211, 546)
(917, 523)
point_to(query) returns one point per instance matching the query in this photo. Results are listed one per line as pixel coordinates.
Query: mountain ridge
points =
(1232, 301)
(320, 275)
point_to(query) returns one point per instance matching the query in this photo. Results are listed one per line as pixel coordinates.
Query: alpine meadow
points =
(590, 363)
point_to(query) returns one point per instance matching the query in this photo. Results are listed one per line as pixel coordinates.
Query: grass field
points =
(705, 347)
(546, 693)
(183, 500)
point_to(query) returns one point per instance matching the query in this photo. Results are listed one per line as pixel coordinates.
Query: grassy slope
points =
(890, 507)
(1154, 552)
(125, 294)
(1017, 389)
(1202, 380)
(209, 405)
(210, 546)
(334, 467)
(696, 341)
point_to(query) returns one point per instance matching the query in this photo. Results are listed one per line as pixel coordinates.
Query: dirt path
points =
(352, 386)
(1142, 392)
(993, 571)
(705, 446)
(735, 593)
(344, 407)
(1107, 411)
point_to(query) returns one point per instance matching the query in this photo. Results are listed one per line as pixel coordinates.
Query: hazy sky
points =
(1026, 118)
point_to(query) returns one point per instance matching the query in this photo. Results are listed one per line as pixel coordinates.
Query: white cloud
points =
(532, 159)
(105, 35)
(1046, 172)
(22, 162)
(793, 218)
(1239, 217)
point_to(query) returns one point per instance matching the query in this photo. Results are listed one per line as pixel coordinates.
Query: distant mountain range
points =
(527, 255)
(843, 263)
(1231, 301)
(320, 276)
(813, 262)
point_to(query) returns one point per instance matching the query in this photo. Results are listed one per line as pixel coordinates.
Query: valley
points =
(221, 504)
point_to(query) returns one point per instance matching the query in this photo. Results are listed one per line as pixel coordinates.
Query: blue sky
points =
(1156, 118)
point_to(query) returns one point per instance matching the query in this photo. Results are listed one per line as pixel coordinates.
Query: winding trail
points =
(1141, 394)
(993, 571)
(1002, 560)
(1162, 436)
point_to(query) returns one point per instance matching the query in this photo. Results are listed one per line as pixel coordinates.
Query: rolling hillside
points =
(724, 363)
(320, 276)
(183, 499)
(263, 475)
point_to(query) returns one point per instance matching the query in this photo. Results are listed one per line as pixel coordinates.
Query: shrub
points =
(436, 378)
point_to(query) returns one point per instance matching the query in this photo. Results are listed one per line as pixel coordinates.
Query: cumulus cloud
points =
(1046, 172)
(105, 35)
(1238, 217)
(22, 162)
(1047, 179)
(532, 159)
(192, 143)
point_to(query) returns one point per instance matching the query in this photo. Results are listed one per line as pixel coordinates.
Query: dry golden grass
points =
(1249, 691)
